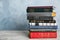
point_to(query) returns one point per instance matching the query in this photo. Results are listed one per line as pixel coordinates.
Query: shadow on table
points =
(26, 33)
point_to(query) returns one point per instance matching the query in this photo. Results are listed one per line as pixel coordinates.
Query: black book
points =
(40, 9)
(42, 21)
(40, 18)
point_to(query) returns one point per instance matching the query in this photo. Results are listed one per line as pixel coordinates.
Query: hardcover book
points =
(43, 30)
(43, 27)
(42, 24)
(42, 21)
(40, 14)
(40, 9)
(39, 17)
(43, 34)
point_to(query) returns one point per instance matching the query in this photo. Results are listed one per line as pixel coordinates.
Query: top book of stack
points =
(40, 9)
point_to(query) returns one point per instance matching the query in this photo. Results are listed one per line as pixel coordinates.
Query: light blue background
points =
(13, 14)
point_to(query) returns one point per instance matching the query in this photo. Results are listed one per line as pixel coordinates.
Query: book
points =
(42, 21)
(40, 14)
(43, 30)
(40, 9)
(43, 27)
(40, 18)
(35, 34)
(43, 24)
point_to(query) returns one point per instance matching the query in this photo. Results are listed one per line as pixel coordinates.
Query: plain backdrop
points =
(13, 15)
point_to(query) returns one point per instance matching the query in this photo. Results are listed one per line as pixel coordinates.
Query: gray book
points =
(43, 29)
(40, 14)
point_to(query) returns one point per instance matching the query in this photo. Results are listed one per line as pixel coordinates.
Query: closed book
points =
(43, 27)
(43, 24)
(39, 17)
(42, 21)
(40, 14)
(43, 30)
(43, 34)
(40, 9)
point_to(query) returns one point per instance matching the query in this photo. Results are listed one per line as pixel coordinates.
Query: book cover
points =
(39, 17)
(43, 34)
(40, 9)
(43, 30)
(43, 27)
(42, 21)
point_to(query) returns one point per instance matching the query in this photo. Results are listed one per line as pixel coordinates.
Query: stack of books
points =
(41, 22)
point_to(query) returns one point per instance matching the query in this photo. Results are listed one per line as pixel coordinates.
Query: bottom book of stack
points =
(44, 34)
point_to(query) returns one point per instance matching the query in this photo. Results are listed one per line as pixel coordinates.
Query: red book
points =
(43, 35)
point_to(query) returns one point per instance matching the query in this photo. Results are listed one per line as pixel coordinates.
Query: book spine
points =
(43, 34)
(43, 27)
(40, 14)
(39, 9)
(40, 18)
(43, 30)
(42, 24)
(42, 21)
